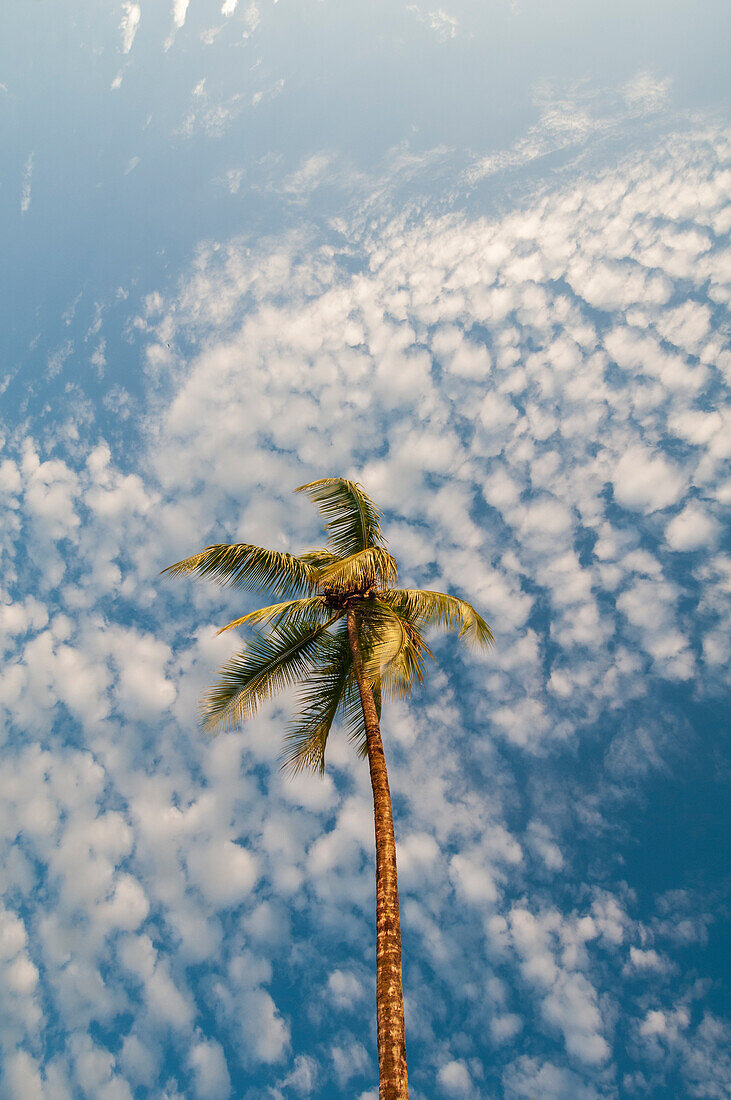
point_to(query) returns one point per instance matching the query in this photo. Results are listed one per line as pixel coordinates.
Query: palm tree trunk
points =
(393, 1081)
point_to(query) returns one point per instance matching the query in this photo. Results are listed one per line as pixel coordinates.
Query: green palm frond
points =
(241, 565)
(351, 518)
(373, 567)
(320, 699)
(406, 668)
(393, 650)
(268, 664)
(351, 715)
(354, 574)
(311, 609)
(319, 558)
(426, 608)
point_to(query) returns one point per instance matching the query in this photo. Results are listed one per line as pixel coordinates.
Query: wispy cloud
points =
(646, 92)
(180, 11)
(252, 19)
(131, 13)
(570, 117)
(25, 193)
(444, 25)
(209, 116)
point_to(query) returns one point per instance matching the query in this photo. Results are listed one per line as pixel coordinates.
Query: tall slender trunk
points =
(393, 1081)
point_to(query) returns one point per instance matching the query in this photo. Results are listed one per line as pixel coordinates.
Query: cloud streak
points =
(25, 193)
(131, 14)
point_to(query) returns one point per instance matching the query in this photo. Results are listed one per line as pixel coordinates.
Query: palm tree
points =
(343, 631)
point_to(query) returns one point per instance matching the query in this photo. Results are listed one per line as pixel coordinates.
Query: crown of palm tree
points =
(305, 635)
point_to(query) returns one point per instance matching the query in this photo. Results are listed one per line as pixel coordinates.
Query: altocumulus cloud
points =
(536, 402)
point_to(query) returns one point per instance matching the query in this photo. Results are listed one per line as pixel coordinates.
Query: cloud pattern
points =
(537, 402)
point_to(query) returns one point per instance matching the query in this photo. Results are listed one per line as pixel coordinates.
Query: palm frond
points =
(320, 700)
(426, 608)
(393, 649)
(268, 664)
(241, 565)
(406, 667)
(351, 715)
(330, 695)
(373, 567)
(311, 609)
(319, 558)
(351, 518)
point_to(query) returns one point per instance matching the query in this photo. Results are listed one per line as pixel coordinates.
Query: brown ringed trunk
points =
(392, 1075)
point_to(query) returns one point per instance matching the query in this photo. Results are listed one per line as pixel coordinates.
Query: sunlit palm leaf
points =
(426, 608)
(319, 558)
(312, 609)
(393, 649)
(373, 567)
(351, 518)
(267, 665)
(241, 565)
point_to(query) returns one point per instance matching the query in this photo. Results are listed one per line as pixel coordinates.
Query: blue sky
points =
(476, 257)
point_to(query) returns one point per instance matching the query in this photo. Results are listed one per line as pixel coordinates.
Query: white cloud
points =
(647, 959)
(180, 10)
(666, 1024)
(345, 989)
(26, 188)
(303, 1077)
(530, 1077)
(443, 25)
(478, 398)
(504, 1028)
(646, 92)
(22, 1078)
(212, 1081)
(252, 19)
(225, 873)
(131, 14)
(646, 481)
(570, 1002)
(349, 1061)
(692, 529)
(454, 1079)
(544, 846)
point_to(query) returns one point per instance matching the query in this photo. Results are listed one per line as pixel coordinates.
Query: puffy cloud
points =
(212, 1081)
(225, 873)
(646, 481)
(22, 1077)
(454, 1079)
(349, 1061)
(345, 988)
(692, 529)
(569, 1000)
(531, 1077)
